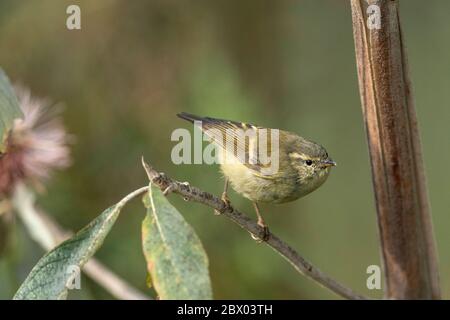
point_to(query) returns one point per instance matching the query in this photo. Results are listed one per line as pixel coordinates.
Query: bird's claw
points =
(263, 235)
(226, 204)
(225, 200)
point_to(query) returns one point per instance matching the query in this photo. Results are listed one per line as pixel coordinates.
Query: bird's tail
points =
(190, 117)
(208, 122)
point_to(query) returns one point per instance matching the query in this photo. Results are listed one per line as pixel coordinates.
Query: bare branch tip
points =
(144, 164)
(148, 169)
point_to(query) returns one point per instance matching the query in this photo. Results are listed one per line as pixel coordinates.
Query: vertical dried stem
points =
(404, 217)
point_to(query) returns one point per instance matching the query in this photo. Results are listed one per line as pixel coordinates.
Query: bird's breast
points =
(261, 189)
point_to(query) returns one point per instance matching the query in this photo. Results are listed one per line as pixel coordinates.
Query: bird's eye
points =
(308, 162)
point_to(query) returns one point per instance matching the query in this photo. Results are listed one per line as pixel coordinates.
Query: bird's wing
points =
(239, 139)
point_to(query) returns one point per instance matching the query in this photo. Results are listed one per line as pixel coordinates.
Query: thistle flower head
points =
(37, 144)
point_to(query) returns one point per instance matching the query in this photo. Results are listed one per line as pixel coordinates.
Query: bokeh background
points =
(286, 64)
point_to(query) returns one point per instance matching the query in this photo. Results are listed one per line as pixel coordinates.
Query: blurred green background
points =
(282, 64)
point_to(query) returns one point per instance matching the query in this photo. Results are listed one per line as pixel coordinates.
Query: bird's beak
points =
(329, 163)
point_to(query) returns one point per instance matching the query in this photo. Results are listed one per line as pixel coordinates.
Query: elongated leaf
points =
(176, 260)
(9, 109)
(50, 276)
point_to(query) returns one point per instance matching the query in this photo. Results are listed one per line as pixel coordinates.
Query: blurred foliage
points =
(286, 64)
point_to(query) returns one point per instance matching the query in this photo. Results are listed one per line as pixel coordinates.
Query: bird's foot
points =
(226, 204)
(264, 233)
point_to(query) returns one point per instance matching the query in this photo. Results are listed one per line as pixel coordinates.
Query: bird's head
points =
(311, 162)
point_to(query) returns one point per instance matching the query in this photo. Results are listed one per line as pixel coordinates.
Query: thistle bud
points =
(36, 145)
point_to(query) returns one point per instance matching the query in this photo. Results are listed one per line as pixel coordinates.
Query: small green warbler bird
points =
(301, 165)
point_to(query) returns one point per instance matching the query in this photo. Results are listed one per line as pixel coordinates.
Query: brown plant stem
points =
(190, 193)
(403, 211)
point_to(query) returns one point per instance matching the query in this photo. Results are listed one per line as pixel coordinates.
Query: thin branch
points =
(300, 264)
(47, 233)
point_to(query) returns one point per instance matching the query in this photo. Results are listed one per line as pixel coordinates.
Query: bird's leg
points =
(224, 197)
(265, 230)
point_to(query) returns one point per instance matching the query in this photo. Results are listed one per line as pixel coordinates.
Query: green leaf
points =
(50, 276)
(9, 109)
(176, 260)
